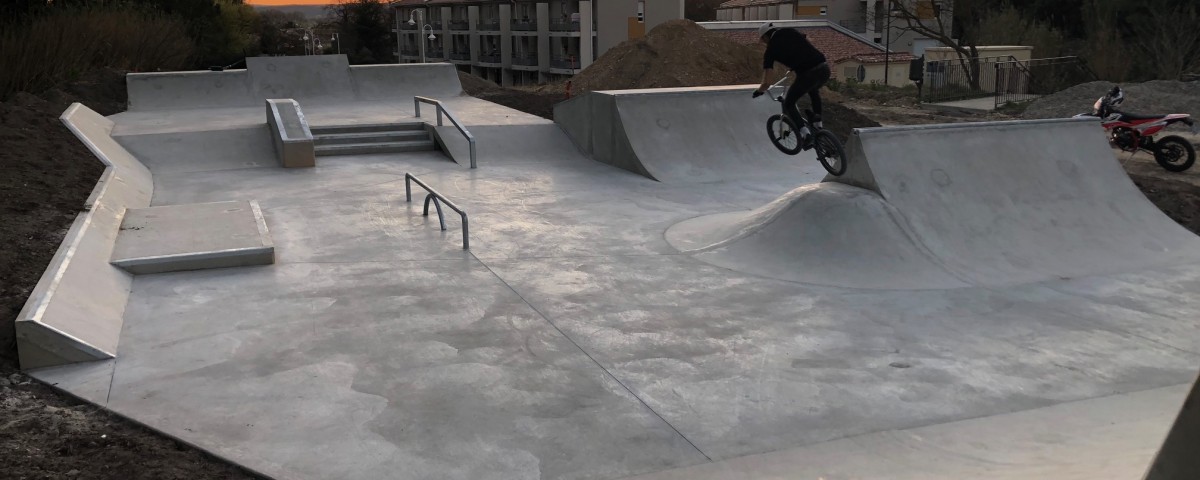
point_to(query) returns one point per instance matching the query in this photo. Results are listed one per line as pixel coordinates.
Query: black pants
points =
(809, 82)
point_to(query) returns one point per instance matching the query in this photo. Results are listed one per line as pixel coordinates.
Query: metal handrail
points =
(417, 101)
(437, 199)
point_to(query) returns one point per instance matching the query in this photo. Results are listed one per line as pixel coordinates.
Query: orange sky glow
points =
(292, 2)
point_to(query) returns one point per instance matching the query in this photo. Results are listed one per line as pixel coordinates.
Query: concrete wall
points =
(307, 79)
(613, 19)
(898, 73)
(1021, 53)
(75, 312)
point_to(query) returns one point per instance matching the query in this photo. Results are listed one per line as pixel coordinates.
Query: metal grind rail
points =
(437, 199)
(441, 110)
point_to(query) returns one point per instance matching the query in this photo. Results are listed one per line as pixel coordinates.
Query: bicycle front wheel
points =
(783, 134)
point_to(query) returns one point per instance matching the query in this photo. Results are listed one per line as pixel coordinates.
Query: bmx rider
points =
(792, 49)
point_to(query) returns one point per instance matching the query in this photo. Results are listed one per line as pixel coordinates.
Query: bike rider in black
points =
(792, 49)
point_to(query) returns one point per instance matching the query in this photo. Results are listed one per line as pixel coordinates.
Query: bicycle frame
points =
(804, 121)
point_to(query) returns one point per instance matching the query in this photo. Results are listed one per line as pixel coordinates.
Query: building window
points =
(824, 11)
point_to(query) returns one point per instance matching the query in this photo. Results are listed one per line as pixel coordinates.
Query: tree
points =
(365, 30)
(1167, 37)
(1011, 26)
(954, 23)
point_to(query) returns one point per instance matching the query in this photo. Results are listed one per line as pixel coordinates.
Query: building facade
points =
(869, 18)
(522, 42)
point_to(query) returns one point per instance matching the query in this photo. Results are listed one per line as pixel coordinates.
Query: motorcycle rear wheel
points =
(1174, 153)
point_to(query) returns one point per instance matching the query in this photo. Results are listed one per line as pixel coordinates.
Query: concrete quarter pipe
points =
(953, 205)
(677, 135)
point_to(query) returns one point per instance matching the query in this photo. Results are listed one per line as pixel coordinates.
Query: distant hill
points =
(309, 11)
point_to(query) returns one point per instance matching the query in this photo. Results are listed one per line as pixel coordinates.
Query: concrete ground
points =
(573, 342)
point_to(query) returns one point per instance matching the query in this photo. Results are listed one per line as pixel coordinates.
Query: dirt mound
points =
(475, 86)
(678, 53)
(1159, 96)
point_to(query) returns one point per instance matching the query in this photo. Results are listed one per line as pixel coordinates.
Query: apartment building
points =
(866, 17)
(522, 42)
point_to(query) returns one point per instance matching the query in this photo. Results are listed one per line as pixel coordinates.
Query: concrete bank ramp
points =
(952, 205)
(678, 135)
(314, 79)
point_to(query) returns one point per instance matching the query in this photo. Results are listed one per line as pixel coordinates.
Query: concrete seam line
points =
(593, 359)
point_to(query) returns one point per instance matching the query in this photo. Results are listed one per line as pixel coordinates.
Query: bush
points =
(60, 47)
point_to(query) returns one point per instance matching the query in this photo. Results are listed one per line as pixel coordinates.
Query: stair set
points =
(372, 138)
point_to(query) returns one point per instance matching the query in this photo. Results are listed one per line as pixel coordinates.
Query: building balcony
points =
(435, 53)
(460, 26)
(406, 26)
(565, 63)
(410, 52)
(564, 27)
(460, 56)
(526, 60)
(490, 58)
(524, 25)
(489, 25)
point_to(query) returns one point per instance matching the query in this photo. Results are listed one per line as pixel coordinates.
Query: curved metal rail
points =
(437, 199)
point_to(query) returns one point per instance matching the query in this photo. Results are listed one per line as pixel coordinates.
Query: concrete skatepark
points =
(652, 291)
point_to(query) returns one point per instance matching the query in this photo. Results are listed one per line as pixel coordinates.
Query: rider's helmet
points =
(765, 29)
(1109, 102)
(1115, 97)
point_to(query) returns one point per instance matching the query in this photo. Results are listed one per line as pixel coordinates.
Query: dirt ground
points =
(48, 175)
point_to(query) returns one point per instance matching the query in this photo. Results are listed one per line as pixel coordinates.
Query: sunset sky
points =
(291, 2)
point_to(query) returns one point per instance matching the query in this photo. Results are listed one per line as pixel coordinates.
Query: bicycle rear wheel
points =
(783, 134)
(830, 153)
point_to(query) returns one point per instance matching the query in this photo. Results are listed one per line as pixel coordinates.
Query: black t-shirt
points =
(791, 48)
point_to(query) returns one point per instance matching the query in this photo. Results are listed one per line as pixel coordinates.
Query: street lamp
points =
(432, 37)
(887, 49)
(311, 42)
(337, 38)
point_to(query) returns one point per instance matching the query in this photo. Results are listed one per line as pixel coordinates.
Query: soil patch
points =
(47, 177)
(1156, 97)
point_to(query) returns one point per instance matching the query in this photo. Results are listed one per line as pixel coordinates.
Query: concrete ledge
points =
(289, 130)
(75, 312)
(193, 237)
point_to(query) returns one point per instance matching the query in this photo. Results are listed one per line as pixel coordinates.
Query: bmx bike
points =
(786, 136)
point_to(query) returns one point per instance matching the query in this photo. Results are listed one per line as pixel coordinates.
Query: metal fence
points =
(949, 80)
(1018, 81)
(1003, 79)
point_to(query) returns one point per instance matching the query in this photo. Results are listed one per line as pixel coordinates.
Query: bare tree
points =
(954, 23)
(1168, 41)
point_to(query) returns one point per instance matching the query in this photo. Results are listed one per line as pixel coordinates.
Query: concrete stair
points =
(369, 139)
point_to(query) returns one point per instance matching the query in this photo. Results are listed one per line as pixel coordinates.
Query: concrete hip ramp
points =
(313, 79)
(983, 204)
(677, 135)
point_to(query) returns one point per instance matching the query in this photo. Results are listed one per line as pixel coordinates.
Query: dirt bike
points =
(787, 137)
(1132, 132)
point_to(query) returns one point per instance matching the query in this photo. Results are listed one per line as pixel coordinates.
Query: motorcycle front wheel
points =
(1175, 154)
